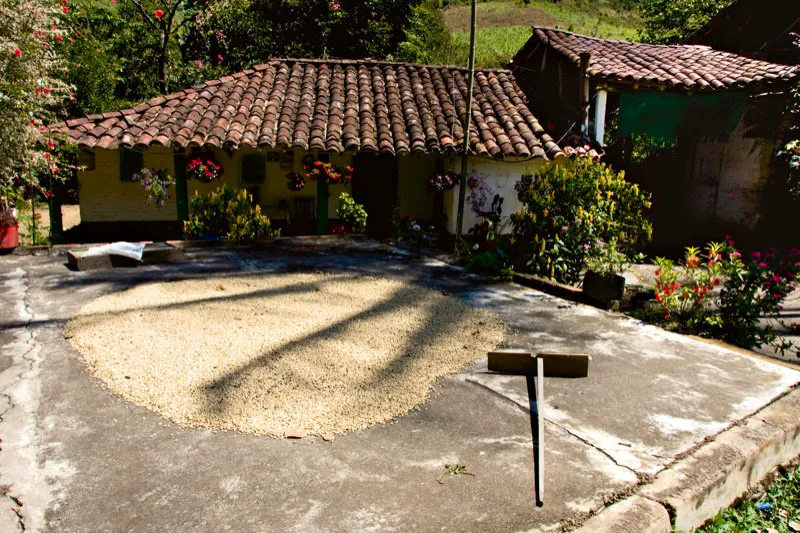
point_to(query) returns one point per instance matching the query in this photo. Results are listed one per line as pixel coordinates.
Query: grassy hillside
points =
(504, 25)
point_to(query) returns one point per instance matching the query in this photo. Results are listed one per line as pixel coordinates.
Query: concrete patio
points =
(81, 459)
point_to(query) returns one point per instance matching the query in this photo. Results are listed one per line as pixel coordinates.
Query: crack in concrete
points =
(773, 425)
(592, 445)
(27, 312)
(660, 459)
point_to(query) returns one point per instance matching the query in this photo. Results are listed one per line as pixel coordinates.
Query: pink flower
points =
(762, 264)
(756, 255)
(219, 57)
(335, 6)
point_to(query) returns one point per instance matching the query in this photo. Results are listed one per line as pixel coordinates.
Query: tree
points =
(32, 89)
(671, 21)
(167, 18)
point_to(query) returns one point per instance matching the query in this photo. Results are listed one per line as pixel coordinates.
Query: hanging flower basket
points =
(156, 183)
(203, 169)
(442, 181)
(295, 181)
(326, 172)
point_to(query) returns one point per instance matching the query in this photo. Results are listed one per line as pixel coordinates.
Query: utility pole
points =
(467, 124)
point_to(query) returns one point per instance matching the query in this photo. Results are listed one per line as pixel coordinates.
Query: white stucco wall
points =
(500, 176)
(726, 177)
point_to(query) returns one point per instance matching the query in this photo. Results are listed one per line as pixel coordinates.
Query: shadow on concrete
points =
(435, 325)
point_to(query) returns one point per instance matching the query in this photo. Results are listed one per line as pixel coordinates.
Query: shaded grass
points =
(504, 26)
(778, 509)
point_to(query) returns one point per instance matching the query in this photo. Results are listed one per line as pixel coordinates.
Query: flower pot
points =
(602, 289)
(9, 238)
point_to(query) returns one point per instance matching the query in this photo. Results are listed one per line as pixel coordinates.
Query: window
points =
(130, 162)
(254, 168)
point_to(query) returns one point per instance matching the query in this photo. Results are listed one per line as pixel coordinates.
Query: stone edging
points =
(697, 487)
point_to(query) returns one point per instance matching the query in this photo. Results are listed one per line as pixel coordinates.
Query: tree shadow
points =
(434, 326)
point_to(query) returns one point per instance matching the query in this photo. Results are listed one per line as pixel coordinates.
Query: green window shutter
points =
(130, 162)
(254, 168)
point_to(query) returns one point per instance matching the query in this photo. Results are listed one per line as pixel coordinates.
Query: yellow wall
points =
(412, 195)
(274, 189)
(104, 198)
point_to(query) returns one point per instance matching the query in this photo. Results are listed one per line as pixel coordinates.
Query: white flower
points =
(475, 246)
(415, 227)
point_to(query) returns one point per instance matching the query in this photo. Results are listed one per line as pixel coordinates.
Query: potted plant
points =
(203, 169)
(9, 230)
(295, 181)
(603, 281)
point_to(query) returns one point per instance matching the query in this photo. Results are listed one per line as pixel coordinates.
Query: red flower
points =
(17, 52)
(658, 272)
(65, 9)
(59, 38)
(159, 14)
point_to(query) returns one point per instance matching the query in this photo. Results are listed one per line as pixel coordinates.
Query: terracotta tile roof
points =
(332, 105)
(686, 67)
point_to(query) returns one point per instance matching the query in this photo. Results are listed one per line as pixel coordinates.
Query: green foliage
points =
(227, 214)
(605, 258)
(33, 34)
(490, 264)
(351, 214)
(408, 231)
(671, 21)
(425, 34)
(256, 30)
(505, 25)
(773, 510)
(750, 301)
(567, 209)
(752, 297)
(685, 296)
(790, 152)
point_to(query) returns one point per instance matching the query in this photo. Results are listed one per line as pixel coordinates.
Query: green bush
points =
(567, 209)
(490, 264)
(227, 214)
(351, 214)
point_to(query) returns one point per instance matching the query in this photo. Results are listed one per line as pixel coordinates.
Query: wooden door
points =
(375, 186)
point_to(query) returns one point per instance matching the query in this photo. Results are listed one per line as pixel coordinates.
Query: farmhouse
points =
(721, 113)
(395, 123)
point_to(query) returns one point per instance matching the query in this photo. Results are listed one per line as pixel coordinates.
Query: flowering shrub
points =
(442, 181)
(605, 258)
(566, 209)
(751, 294)
(352, 215)
(204, 170)
(33, 34)
(752, 297)
(295, 181)
(326, 172)
(156, 183)
(407, 230)
(686, 299)
(227, 214)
